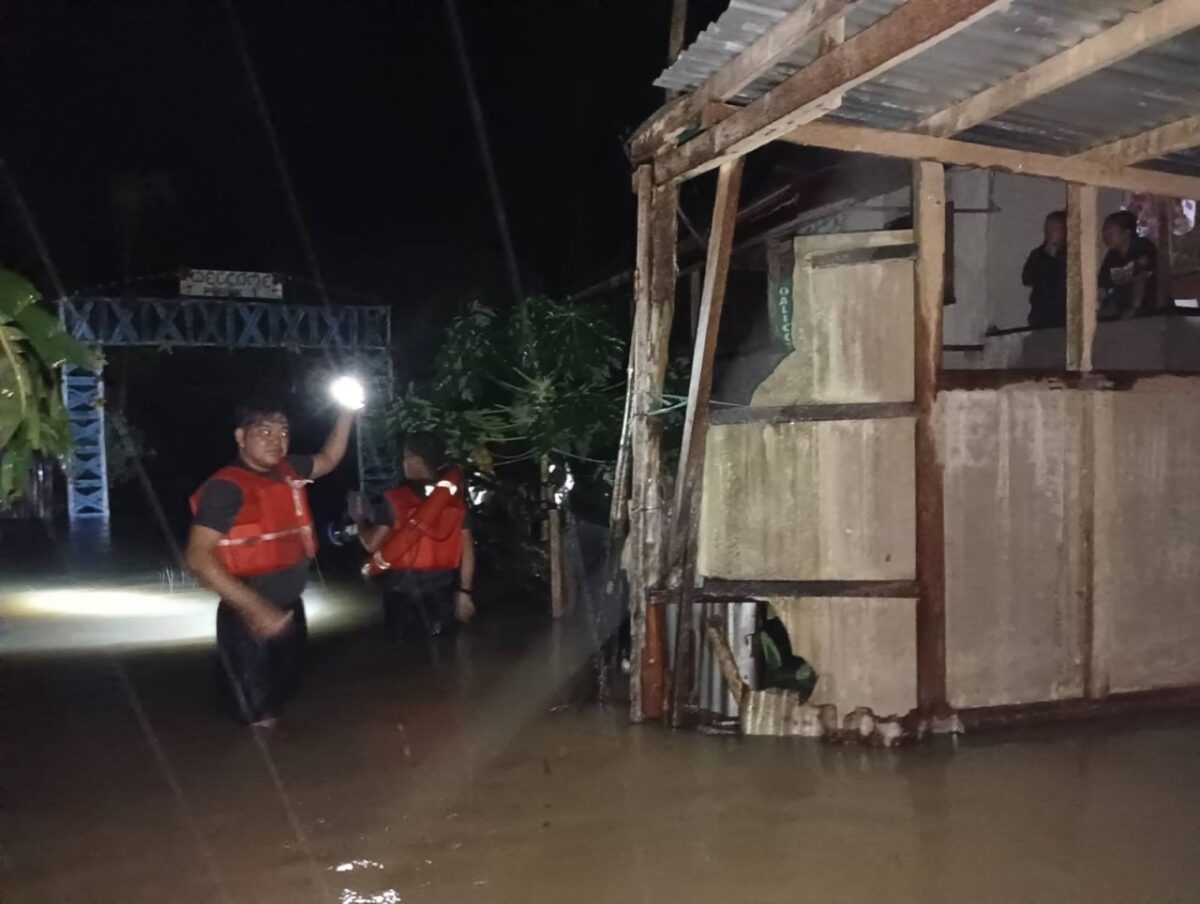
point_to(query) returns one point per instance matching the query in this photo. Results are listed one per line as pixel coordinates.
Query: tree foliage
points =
(545, 382)
(33, 345)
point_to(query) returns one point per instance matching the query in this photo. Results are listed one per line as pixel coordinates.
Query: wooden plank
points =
(902, 34)
(1163, 268)
(695, 427)
(859, 139)
(655, 306)
(1117, 705)
(1082, 290)
(1174, 136)
(790, 414)
(1093, 652)
(716, 590)
(712, 299)
(639, 365)
(929, 221)
(1133, 34)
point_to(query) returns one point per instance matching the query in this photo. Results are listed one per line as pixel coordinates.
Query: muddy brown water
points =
(453, 775)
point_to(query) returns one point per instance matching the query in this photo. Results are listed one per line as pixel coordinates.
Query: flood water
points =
(459, 773)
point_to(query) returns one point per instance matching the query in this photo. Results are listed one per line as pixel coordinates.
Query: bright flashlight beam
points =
(348, 392)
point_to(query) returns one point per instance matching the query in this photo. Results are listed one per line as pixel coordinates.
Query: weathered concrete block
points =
(832, 500)
(852, 326)
(1014, 578)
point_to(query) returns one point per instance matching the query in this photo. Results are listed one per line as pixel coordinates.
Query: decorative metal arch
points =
(362, 331)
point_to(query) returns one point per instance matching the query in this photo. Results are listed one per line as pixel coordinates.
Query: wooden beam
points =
(654, 283)
(690, 477)
(1174, 136)
(810, 19)
(1082, 286)
(907, 145)
(717, 590)
(1082, 292)
(910, 29)
(793, 414)
(929, 224)
(1133, 34)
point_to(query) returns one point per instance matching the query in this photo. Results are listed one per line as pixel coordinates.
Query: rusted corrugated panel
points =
(1147, 90)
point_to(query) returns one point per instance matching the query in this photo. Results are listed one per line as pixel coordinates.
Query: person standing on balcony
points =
(1045, 273)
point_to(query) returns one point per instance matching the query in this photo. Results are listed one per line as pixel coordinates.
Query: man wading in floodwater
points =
(251, 541)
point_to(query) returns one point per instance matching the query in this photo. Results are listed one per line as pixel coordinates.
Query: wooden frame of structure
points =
(701, 131)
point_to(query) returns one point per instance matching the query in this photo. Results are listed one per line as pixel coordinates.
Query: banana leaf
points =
(51, 342)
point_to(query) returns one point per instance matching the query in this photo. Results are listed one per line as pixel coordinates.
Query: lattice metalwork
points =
(376, 464)
(362, 332)
(87, 484)
(224, 322)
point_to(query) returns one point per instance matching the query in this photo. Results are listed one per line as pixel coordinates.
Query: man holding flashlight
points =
(251, 542)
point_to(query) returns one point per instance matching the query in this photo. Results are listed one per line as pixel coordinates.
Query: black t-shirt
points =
(219, 504)
(1117, 299)
(1046, 276)
(414, 581)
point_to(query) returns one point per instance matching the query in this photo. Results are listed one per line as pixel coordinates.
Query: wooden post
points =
(1082, 286)
(688, 483)
(929, 223)
(695, 292)
(1082, 305)
(1162, 267)
(655, 307)
(678, 29)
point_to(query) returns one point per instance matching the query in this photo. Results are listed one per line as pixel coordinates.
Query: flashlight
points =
(348, 392)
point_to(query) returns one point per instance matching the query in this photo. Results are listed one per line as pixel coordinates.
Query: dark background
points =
(149, 100)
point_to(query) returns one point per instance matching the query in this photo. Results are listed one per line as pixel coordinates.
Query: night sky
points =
(149, 100)
(371, 112)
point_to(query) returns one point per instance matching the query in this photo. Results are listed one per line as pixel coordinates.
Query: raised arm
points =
(261, 617)
(334, 450)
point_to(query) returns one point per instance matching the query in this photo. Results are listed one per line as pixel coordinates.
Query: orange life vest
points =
(426, 533)
(273, 528)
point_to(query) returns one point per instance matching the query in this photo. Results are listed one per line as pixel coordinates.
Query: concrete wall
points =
(1147, 344)
(1014, 620)
(1148, 536)
(1018, 504)
(852, 327)
(825, 501)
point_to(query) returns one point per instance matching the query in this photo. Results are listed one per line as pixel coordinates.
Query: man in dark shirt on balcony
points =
(1127, 274)
(1045, 274)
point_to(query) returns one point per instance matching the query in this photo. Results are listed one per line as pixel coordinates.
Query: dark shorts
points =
(418, 609)
(260, 674)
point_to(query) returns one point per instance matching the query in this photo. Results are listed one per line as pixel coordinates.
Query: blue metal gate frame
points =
(363, 333)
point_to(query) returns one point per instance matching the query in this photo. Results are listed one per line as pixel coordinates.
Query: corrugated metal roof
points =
(1146, 90)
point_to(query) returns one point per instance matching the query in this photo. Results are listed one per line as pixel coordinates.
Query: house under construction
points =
(961, 522)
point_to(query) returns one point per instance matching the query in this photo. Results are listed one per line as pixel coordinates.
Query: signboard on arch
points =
(230, 284)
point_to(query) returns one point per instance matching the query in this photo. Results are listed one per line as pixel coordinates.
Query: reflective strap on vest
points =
(242, 541)
(305, 531)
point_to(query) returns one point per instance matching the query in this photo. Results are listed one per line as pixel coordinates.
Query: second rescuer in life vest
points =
(419, 544)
